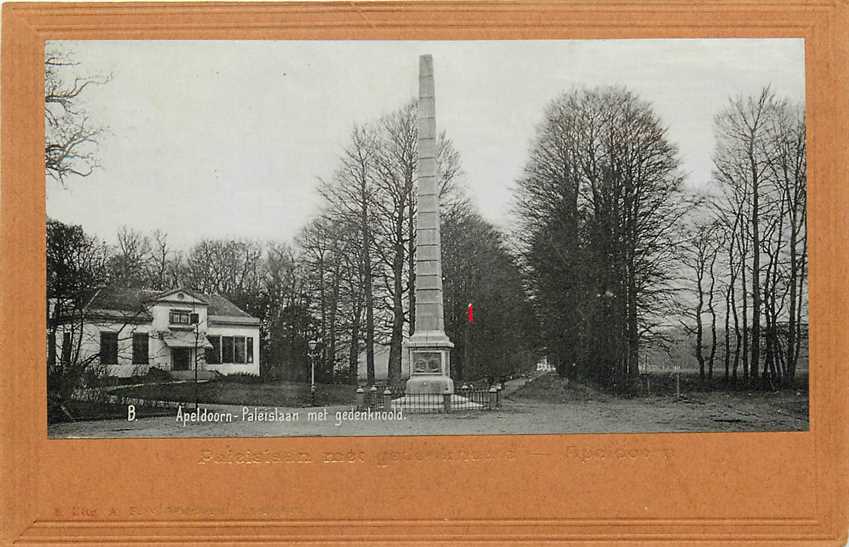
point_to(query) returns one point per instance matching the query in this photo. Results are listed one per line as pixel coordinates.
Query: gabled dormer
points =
(179, 310)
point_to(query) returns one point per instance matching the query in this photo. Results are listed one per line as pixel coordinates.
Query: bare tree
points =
(787, 157)
(350, 195)
(322, 245)
(395, 176)
(131, 260)
(161, 259)
(71, 138)
(699, 255)
(760, 164)
(740, 162)
(232, 268)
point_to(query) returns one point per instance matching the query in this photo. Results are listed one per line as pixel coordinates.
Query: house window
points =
(140, 348)
(180, 317)
(230, 350)
(239, 342)
(226, 349)
(66, 348)
(109, 348)
(213, 354)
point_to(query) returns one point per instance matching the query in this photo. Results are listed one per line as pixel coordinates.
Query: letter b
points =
(131, 413)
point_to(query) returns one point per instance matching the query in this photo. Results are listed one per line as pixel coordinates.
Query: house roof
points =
(121, 299)
(218, 305)
(133, 301)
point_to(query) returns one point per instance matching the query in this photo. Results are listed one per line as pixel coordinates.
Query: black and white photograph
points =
(369, 238)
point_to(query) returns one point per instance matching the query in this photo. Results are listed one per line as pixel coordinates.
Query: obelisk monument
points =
(429, 346)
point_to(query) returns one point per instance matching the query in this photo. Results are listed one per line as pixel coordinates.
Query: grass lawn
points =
(96, 410)
(761, 410)
(548, 387)
(664, 383)
(223, 391)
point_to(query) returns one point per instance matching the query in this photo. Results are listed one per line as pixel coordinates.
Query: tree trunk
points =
(799, 305)
(411, 267)
(712, 311)
(331, 345)
(354, 348)
(323, 315)
(369, 303)
(756, 271)
(727, 336)
(745, 350)
(397, 337)
(699, 327)
(791, 319)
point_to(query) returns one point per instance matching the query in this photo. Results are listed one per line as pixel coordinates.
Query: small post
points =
(493, 398)
(361, 395)
(677, 380)
(446, 402)
(387, 399)
(498, 395)
(372, 400)
(312, 345)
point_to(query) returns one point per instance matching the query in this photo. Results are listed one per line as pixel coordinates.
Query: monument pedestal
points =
(430, 363)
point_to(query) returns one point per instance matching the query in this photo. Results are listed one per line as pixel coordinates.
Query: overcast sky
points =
(220, 139)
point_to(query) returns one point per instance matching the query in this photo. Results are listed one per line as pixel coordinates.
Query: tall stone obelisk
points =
(429, 346)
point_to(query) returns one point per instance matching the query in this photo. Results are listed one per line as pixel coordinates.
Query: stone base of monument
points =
(430, 363)
(436, 385)
(428, 402)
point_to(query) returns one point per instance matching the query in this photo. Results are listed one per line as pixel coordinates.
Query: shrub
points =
(241, 378)
(158, 375)
(274, 372)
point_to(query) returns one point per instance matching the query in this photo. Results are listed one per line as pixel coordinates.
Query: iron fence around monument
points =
(464, 398)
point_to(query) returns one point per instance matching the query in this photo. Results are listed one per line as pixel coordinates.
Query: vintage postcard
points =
(432, 273)
(417, 238)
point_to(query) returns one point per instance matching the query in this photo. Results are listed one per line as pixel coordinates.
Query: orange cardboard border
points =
(663, 489)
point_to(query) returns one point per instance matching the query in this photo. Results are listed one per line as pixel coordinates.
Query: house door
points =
(180, 358)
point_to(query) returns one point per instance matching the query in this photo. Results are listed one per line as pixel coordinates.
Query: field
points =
(241, 391)
(543, 405)
(703, 406)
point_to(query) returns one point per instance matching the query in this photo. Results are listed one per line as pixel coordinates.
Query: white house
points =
(128, 331)
(544, 366)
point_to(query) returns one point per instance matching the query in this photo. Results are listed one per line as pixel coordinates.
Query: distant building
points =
(126, 332)
(544, 366)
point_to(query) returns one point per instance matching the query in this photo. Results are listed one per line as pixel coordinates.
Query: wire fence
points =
(464, 398)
